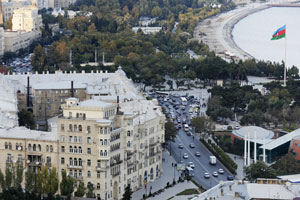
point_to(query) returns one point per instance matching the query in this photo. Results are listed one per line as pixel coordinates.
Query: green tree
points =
(8, 176)
(259, 170)
(201, 124)
(30, 178)
(286, 165)
(156, 11)
(127, 194)
(18, 170)
(170, 131)
(8, 23)
(26, 119)
(38, 60)
(90, 191)
(51, 185)
(80, 190)
(66, 185)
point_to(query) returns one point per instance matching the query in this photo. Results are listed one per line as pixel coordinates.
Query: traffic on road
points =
(187, 150)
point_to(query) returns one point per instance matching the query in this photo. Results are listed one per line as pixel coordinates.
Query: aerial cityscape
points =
(149, 99)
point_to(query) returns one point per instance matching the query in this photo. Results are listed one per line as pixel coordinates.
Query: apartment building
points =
(105, 144)
(26, 19)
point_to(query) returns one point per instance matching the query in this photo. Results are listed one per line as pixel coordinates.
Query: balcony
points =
(103, 169)
(74, 167)
(116, 163)
(116, 174)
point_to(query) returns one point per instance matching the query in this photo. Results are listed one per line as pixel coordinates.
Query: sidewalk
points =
(161, 182)
(240, 163)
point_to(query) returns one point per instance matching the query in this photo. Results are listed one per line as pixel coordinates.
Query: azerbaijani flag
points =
(280, 33)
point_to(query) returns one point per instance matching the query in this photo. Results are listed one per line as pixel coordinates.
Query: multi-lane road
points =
(201, 163)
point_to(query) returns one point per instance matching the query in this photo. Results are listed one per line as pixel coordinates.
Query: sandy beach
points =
(216, 31)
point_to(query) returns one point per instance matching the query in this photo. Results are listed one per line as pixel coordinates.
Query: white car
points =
(224, 127)
(191, 165)
(221, 171)
(206, 175)
(185, 156)
(215, 174)
(236, 127)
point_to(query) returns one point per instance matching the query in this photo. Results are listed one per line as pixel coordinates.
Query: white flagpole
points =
(285, 68)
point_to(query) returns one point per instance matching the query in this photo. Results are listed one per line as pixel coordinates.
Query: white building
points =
(26, 19)
(147, 30)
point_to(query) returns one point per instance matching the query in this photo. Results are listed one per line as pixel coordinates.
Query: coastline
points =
(216, 31)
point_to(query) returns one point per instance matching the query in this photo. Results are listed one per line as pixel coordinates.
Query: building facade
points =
(109, 145)
(26, 19)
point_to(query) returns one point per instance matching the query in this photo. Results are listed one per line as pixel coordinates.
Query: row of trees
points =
(42, 183)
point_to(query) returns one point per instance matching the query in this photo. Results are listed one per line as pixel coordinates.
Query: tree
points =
(8, 176)
(90, 190)
(170, 131)
(8, 23)
(38, 60)
(51, 185)
(26, 119)
(287, 165)
(66, 185)
(80, 190)
(127, 194)
(259, 170)
(201, 124)
(30, 178)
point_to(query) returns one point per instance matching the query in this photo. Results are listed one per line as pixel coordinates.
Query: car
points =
(236, 127)
(192, 145)
(230, 178)
(189, 133)
(179, 126)
(191, 165)
(197, 154)
(221, 171)
(229, 128)
(215, 174)
(206, 175)
(180, 146)
(185, 156)
(224, 127)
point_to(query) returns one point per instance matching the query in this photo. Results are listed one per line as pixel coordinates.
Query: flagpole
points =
(284, 75)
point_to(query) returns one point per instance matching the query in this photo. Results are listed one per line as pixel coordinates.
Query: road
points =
(201, 163)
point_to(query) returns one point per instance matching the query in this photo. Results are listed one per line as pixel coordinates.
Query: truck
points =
(212, 160)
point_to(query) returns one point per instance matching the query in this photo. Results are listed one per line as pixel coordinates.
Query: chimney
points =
(118, 100)
(72, 89)
(28, 87)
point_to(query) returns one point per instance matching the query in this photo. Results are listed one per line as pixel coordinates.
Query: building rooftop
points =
(262, 135)
(294, 178)
(24, 133)
(58, 85)
(94, 103)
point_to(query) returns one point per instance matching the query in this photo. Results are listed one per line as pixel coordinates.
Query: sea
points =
(253, 34)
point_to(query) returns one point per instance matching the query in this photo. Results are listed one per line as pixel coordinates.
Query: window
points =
(79, 150)
(62, 148)
(9, 146)
(105, 142)
(75, 128)
(105, 130)
(29, 147)
(88, 162)
(100, 130)
(98, 186)
(39, 147)
(105, 153)
(128, 133)
(70, 138)
(75, 173)
(47, 148)
(98, 174)
(71, 172)
(80, 173)
(88, 129)
(62, 138)
(71, 149)
(70, 127)
(34, 147)
(6, 146)
(62, 161)
(9, 158)
(75, 149)
(80, 128)
(101, 142)
(79, 162)
(89, 151)
(99, 163)
(89, 140)
(71, 162)
(51, 148)
(75, 138)
(128, 144)
(79, 139)
(20, 158)
(89, 174)
(75, 162)
(62, 127)
(48, 159)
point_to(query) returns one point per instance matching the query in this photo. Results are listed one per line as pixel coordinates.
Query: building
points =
(263, 189)
(8, 7)
(105, 144)
(26, 19)
(147, 30)
(48, 91)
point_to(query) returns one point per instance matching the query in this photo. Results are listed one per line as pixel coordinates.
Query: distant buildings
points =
(147, 30)
(110, 138)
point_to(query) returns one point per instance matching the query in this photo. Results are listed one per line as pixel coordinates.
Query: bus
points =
(184, 101)
(189, 171)
(186, 127)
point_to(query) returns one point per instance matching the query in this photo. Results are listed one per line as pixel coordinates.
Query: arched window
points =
(71, 161)
(79, 162)
(70, 127)
(101, 141)
(10, 146)
(79, 150)
(34, 147)
(75, 149)
(51, 148)
(101, 153)
(75, 161)
(47, 147)
(71, 149)
(80, 128)
(29, 147)
(98, 186)
(39, 147)
(105, 142)
(105, 152)
(17, 145)
(6, 145)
